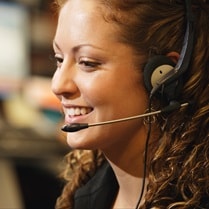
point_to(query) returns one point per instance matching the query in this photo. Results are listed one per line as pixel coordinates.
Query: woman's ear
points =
(174, 56)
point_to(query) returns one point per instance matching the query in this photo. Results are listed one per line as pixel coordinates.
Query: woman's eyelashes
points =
(83, 63)
(59, 61)
(88, 64)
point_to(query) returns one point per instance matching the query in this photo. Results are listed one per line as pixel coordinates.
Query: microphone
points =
(73, 127)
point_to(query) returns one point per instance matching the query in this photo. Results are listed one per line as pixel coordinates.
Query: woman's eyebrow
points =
(78, 47)
(55, 45)
(75, 49)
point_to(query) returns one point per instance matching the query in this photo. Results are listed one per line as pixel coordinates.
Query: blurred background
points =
(32, 146)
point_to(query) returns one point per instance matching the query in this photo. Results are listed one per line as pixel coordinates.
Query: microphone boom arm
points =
(73, 127)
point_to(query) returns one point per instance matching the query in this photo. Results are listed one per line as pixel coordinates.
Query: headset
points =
(162, 77)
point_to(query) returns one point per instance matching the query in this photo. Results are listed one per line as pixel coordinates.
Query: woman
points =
(103, 48)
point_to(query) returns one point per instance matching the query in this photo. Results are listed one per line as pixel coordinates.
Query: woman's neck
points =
(130, 188)
(127, 162)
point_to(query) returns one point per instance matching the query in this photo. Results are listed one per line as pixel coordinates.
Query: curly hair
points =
(81, 166)
(178, 171)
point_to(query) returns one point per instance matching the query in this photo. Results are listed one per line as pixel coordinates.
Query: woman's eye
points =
(88, 64)
(59, 61)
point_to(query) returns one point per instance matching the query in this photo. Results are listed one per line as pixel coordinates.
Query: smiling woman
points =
(106, 52)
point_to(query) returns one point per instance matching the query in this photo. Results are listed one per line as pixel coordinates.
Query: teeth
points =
(83, 111)
(78, 111)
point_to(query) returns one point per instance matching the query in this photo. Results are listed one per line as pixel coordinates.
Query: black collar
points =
(99, 192)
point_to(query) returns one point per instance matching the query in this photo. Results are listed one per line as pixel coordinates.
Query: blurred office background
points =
(32, 146)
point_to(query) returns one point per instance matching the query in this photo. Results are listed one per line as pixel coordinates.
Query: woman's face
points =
(96, 78)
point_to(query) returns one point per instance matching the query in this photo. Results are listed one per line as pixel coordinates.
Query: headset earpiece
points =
(155, 69)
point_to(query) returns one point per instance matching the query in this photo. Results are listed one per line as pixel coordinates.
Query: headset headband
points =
(185, 55)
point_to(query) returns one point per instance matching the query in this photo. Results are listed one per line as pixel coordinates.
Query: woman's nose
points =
(63, 81)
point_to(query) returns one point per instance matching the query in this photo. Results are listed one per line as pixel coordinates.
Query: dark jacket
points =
(100, 192)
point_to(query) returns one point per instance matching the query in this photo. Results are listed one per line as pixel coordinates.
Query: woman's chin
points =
(76, 142)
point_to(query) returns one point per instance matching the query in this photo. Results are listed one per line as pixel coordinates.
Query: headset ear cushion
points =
(155, 69)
